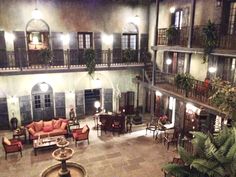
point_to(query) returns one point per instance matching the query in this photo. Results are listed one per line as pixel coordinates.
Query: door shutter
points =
(73, 44)
(3, 52)
(79, 97)
(108, 95)
(4, 125)
(57, 49)
(98, 47)
(143, 46)
(20, 48)
(60, 104)
(25, 110)
(130, 103)
(117, 48)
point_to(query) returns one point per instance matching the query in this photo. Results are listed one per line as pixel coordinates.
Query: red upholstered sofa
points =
(47, 128)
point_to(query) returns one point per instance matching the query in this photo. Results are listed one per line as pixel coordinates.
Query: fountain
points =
(64, 169)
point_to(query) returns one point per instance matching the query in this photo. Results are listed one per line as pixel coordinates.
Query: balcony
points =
(12, 62)
(180, 39)
(225, 41)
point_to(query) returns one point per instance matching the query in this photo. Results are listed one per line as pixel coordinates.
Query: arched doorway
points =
(42, 102)
(37, 31)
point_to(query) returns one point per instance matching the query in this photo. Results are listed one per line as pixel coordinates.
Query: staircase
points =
(158, 75)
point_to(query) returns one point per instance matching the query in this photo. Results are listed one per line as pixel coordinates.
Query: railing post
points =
(68, 58)
(20, 58)
(109, 57)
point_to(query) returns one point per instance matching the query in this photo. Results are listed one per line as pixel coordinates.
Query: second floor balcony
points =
(68, 60)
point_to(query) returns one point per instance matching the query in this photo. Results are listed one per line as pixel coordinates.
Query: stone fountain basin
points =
(57, 154)
(76, 170)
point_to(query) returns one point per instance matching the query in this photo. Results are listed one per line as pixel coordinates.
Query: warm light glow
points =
(97, 83)
(35, 40)
(172, 10)
(190, 108)
(65, 39)
(168, 61)
(107, 39)
(9, 37)
(136, 20)
(44, 87)
(158, 93)
(36, 14)
(97, 104)
(212, 69)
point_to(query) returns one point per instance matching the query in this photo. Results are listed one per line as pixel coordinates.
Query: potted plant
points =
(90, 60)
(46, 56)
(172, 34)
(129, 55)
(185, 82)
(209, 39)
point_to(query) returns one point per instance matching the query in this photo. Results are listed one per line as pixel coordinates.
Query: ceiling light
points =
(36, 14)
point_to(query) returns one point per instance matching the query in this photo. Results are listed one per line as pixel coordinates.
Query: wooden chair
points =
(11, 146)
(171, 138)
(152, 126)
(81, 134)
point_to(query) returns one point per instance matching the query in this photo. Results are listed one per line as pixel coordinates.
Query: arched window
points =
(130, 37)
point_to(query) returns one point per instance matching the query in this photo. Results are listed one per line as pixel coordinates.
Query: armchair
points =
(81, 134)
(11, 146)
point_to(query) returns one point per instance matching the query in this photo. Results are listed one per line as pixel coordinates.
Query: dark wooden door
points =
(108, 99)
(43, 106)
(4, 120)
(90, 97)
(79, 97)
(60, 104)
(130, 103)
(25, 110)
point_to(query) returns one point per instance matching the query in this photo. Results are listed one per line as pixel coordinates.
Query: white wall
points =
(197, 69)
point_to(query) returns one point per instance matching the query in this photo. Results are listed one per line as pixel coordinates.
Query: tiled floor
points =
(127, 155)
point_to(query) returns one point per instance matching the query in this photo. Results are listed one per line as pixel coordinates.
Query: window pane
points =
(87, 41)
(47, 100)
(81, 41)
(37, 102)
(133, 42)
(124, 41)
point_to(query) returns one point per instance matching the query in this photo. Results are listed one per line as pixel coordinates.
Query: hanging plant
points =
(46, 56)
(184, 81)
(209, 40)
(90, 60)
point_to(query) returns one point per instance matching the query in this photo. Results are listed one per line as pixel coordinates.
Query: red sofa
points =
(47, 128)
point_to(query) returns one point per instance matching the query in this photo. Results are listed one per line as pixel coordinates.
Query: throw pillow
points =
(63, 125)
(31, 130)
(47, 123)
(47, 128)
(31, 125)
(38, 126)
(6, 141)
(57, 124)
(85, 129)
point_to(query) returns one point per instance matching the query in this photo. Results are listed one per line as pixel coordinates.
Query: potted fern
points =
(46, 56)
(172, 35)
(185, 82)
(90, 60)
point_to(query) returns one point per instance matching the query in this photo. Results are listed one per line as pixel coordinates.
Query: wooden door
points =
(130, 103)
(4, 120)
(108, 99)
(60, 105)
(25, 110)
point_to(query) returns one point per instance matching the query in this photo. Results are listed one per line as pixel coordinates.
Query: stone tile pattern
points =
(108, 155)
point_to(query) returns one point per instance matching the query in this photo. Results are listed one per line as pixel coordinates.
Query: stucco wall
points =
(15, 86)
(197, 69)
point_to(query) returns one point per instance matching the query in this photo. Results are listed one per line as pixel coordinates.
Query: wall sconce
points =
(36, 14)
(44, 87)
(97, 83)
(212, 69)
(172, 10)
(136, 20)
(65, 39)
(97, 104)
(107, 39)
(168, 61)
(218, 3)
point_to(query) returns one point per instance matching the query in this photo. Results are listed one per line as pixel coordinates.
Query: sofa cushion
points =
(85, 129)
(63, 125)
(57, 124)
(47, 128)
(6, 141)
(31, 131)
(47, 123)
(56, 132)
(31, 125)
(38, 126)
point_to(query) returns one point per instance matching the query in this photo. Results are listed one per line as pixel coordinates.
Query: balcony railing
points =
(23, 60)
(225, 41)
(201, 91)
(181, 38)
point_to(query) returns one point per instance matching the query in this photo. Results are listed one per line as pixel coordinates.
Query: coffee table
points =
(45, 143)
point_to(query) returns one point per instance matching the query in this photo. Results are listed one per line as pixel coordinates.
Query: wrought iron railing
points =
(22, 60)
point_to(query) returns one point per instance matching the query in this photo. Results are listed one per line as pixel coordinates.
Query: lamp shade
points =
(97, 104)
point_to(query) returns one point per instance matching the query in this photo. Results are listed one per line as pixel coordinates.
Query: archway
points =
(37, 31)
(42, 102)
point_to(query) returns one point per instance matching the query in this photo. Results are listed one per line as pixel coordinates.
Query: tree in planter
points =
(46, 55)
(209, 40)
(172, 34)
(90, 60)
(212, 156)
(224, 98)
(184, 81)
(129, 55)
